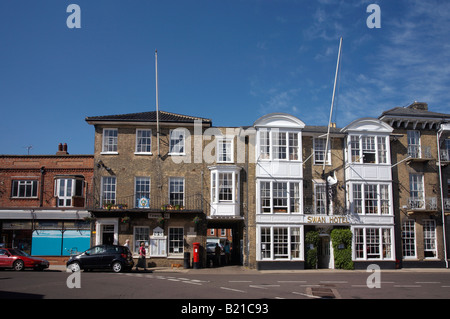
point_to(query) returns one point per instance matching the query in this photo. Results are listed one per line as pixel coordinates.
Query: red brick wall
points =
(28, 167)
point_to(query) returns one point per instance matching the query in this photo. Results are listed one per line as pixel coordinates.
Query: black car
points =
(117, 258)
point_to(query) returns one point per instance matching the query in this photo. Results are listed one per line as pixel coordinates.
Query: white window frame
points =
(374, 145)
(291, 196)
(383, 244)
(284, 145)
(417, 190)
(271, 248)
(138, 183)
(413, 139)
(110, 142)
(109, 195)
(143, 142)
(172, 241)
(144, 236)
(177, 142)
(30, 188)
(429, 238)
(360, 199)
(409, 239)
(177, 185)
(62, 194)
(320, 198)
(158, 243)
(319, 151)
(225, 150)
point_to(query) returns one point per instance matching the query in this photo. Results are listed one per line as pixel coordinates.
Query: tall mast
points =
(157, 100)
(332, 104)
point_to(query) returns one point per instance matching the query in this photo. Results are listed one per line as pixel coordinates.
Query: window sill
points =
(109, 153)
(143, 153)
(177, 154)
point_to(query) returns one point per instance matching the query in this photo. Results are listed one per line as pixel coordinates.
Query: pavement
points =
(229, 270)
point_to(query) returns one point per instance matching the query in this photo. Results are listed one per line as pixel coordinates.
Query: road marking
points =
(407, 286)
(445, 286)
(172, 279)
(292, 281)
(428, 282)
(231, 289)
(306, 295)
(256, 286)
(310, 286)
(192, 283)
(239, 281)
(334, 282)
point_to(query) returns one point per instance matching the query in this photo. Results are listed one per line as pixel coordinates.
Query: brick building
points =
(421, 183)
(165, 187)
(43, 200)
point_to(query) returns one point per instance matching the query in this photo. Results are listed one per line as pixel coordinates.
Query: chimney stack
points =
(419, 106)
(62, 149)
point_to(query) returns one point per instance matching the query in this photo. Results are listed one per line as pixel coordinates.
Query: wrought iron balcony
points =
(417, 152)
(425, 204)
(137, 202)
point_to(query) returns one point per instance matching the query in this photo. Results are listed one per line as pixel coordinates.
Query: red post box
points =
(196, 257)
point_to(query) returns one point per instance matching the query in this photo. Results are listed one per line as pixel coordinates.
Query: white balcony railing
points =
(415, 151)
(427, 203)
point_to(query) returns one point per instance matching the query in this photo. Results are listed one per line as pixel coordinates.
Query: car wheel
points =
(18, 265)
(74, 267)
(117, 266)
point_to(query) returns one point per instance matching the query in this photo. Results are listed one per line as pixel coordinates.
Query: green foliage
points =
(342, 245)
(311, 238)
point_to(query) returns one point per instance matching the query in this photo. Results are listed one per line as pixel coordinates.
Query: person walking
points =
(227, 253)
(218, 252)
(141, 261)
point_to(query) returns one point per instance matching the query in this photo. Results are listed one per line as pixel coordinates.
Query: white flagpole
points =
(332, 103)
(157, 100)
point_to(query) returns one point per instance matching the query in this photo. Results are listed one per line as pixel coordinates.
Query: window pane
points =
(280, 197)
(279, 145)
(176, 241)
(265, 197)
(143, 141)
(293, 147)
(176, 191)
(177, 139)
(110, 140)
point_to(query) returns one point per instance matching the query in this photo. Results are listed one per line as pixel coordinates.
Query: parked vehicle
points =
(117, 258)
(19, 260)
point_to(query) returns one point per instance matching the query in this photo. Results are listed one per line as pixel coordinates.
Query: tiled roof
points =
(148, 117)
(411, 112)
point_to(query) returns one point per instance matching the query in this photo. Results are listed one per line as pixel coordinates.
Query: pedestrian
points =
(218, 252)
(141, 261)
(127, 243)
(227, 253)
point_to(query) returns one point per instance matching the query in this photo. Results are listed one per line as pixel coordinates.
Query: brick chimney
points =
(62, 149)
(419, 106)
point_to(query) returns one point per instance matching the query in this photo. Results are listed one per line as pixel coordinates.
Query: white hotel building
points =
(294, 193)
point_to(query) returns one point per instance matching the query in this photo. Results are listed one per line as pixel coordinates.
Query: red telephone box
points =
(196, 257)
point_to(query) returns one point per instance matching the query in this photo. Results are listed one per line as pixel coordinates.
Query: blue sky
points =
(231, 61)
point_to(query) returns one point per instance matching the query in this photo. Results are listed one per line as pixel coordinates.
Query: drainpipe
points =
(41, 197)
(438, 136)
